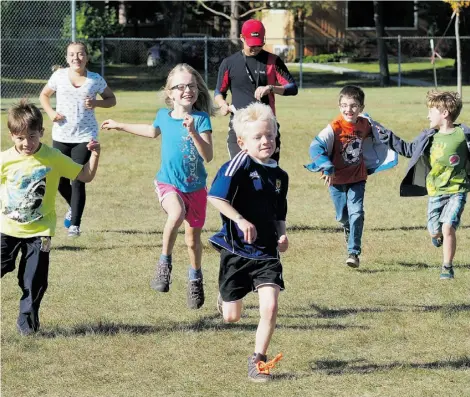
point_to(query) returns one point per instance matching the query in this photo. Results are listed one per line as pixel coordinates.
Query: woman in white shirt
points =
(74, 121)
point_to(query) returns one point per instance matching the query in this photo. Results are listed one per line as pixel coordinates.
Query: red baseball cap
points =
(253, 32)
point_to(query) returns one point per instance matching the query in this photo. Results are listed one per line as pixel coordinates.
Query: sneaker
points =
(437, 241)
(447, 273)
(220, 304)
(162, 280)
(74, 231)
(195, 293)
(346, 234)
(68, 218)
(353, 261)
(259, 369)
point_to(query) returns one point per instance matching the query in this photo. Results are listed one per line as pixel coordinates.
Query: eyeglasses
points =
(344, 106)
(182, 87)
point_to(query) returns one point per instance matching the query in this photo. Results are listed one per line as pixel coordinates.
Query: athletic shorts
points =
(238, 275)
(447, 209)
(195, 203)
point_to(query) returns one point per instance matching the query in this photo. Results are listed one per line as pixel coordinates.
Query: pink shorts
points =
(195, 203)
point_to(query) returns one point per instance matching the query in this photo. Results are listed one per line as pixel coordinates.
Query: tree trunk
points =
(381, 45)
(234, 16)
(458, 55)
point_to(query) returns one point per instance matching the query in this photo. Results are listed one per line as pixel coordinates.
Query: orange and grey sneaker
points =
(259, 368)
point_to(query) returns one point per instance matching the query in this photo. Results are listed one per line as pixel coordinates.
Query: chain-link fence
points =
(33, 41)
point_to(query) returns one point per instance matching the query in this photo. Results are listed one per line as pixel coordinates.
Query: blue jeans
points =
(348, 200)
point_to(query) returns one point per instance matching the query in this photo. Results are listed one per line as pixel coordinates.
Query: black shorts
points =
(238, 275)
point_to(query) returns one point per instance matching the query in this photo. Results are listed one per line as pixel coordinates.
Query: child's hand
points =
(248, 229)
(90, 103)
(188, 123)
(328, 179)
(225, 109)
(262, 91)
(109, 125)
(283, 243)
(58, 117)
(94, 147)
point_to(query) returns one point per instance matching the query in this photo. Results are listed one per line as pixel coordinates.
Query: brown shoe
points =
(195, 294)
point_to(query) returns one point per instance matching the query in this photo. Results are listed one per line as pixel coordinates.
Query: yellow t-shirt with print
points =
(448, 158)
(29, 187)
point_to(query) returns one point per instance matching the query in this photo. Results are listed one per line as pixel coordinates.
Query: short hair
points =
(24, 116)
(353, 91)
(445, 100)
(257, 111)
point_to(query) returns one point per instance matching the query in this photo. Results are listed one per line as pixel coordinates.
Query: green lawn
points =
(389, 328)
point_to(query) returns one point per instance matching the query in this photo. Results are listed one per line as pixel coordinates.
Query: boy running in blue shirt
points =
(250, 191)
(439, 167)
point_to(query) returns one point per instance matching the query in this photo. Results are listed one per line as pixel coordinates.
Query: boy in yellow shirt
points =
(30, 174)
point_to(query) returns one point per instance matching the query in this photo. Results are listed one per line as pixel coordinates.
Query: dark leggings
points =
(74, 193)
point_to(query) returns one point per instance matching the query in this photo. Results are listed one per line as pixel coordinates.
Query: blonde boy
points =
(250, 191)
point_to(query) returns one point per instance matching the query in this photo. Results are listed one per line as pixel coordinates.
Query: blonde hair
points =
(204, 99)
(24, 116)
(257, 111)
(445, 100)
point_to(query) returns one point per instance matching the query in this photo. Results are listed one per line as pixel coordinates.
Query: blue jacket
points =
(377, 155)
(414, 183)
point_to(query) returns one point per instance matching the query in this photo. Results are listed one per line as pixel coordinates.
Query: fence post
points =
(102, 56)
(205, 60)
(300, 61)
(399, 60)
(74, 27)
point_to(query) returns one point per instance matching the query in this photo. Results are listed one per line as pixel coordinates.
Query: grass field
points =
(389, 328)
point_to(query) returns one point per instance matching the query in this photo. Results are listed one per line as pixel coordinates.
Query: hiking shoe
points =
(346, 234)
(220, 304)
(447, 273)
(162, 280)
(353, 261)
(437, 241)
(68, 218)
(195, 293)
(74, 231)
(259, 369)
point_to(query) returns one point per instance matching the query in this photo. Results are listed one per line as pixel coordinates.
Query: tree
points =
(234, 17)
(457, 6)
(381, 45)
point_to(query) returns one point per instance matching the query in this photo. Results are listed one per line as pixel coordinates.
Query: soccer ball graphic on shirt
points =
(352, 151)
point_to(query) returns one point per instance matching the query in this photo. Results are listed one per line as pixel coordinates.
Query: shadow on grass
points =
(72, 248)
(449, 309)
(339, 367)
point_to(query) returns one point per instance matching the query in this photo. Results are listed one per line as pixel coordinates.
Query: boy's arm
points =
(395, 143)
(283, 242)
(320, 151)
(224, 207)
(88, 171)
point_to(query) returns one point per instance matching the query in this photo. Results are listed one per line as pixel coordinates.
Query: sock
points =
(448, 265)
(165, 258)
(195, 274)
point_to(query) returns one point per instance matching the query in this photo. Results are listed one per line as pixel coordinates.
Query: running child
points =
(250, 191)
(30, 173)
(180, 183)
(74, 122)
(439, 167)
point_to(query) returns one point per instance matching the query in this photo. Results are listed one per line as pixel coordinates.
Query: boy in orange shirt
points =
(345, 152)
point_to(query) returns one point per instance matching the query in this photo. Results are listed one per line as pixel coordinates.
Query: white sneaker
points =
(74, 231)
(68, 218)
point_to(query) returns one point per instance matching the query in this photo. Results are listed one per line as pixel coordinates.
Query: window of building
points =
(398, 15)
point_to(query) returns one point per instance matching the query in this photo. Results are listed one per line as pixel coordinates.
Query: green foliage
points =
(325, 58)
(92, 23)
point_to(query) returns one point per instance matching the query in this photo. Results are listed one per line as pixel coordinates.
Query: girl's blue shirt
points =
(181, 164)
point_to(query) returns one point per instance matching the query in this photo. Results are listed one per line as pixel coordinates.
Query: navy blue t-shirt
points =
(259, 193)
